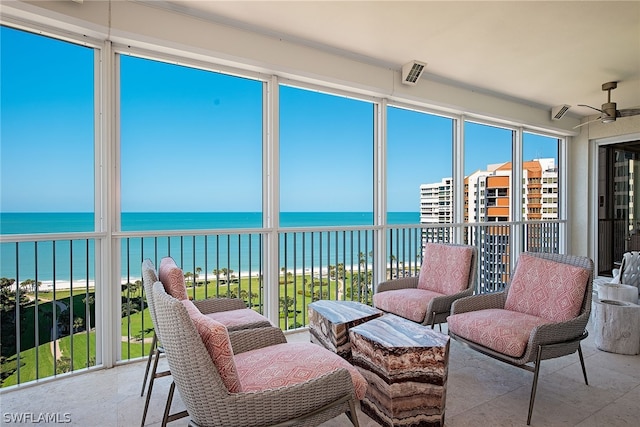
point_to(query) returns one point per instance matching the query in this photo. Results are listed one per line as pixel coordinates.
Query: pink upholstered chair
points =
(448, 272)
(231, 312)
(541, 314)
(251, 377)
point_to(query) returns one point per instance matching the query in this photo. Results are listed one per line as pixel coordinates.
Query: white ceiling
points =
(544, 53)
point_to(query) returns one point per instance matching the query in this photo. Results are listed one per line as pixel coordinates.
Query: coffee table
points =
(406, 366)
(330, 321)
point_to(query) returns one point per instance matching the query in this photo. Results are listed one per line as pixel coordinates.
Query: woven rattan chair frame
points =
(208, 401)
(439, 308)
(546, 341)
(149, 277)
(211, 305)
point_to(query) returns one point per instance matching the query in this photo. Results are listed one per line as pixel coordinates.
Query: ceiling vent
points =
(558, 112)
(411, 72)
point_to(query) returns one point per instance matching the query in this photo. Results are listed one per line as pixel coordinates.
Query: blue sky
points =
(191, 139)
(46, 117)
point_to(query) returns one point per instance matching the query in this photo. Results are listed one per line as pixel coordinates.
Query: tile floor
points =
(481, 392)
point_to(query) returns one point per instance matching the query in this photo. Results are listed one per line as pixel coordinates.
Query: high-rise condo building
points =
(487, 199)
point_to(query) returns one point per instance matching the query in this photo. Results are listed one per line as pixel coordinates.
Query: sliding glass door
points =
(618, 203)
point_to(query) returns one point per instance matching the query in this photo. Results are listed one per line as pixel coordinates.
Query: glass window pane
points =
(487, 166)
(488, 198)
(47, 185)
(202, 133)
(419, 162)
(540, 175)
(326, 159)
(47, 144)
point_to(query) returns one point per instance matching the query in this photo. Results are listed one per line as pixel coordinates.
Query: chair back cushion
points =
(445, 268)
(548, 289)
(216, 339)
(172, 278)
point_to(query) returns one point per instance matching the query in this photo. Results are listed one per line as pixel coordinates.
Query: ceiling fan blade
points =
(586, 123)
(628, 112)
(589, 106)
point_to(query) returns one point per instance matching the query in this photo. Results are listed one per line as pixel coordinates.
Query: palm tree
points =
(198, 271)
(8, 315)
(362, 257)
(188, 275)
(132, 288)
(77, 323)
(30, 285)
(128, 308)
(139, 287)
(88, 301)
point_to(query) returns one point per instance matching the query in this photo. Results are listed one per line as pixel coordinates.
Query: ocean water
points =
(69, 261)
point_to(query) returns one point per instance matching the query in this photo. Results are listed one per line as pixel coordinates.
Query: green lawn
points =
(132, 331)
(45, 316)
(28, 365)
(80, 359)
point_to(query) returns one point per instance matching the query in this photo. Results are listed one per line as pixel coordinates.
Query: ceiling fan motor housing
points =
(609, 112)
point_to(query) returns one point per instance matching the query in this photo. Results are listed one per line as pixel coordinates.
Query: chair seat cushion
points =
(410, 303)
(239, 319)
(445, 268)
(545, 288)
(215, 337)
(503, 331)
(291, 363)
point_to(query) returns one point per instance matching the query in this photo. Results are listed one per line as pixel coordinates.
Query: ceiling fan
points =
(609, 112)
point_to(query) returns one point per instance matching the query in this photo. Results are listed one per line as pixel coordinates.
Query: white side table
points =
(618, 292)
(617, 326)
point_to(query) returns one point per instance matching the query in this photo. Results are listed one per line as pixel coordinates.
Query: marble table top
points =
(396, 332)
(338, 312)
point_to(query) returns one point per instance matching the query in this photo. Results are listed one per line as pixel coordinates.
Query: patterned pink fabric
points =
(409, 303)
(548, 289)
(242, 316)
(292, 363)
(172, 278)
(445, 268)
(216, 339)
(504, 331)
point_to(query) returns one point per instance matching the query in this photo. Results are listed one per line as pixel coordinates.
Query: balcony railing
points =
(51, 307)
